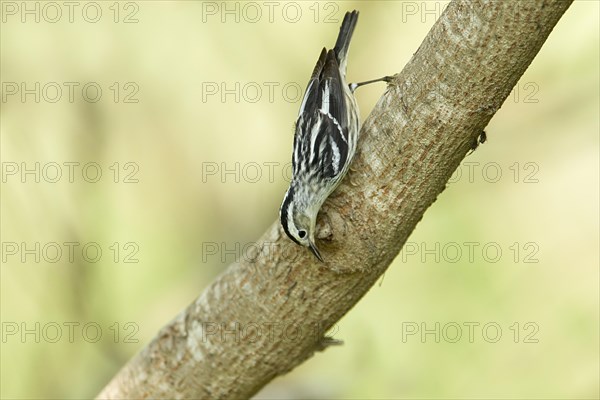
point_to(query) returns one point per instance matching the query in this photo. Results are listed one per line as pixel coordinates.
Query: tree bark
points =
(268, 312)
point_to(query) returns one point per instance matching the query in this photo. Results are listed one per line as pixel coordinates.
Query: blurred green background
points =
(171, 120)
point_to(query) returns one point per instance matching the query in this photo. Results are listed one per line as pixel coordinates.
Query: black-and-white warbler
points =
(325, 139)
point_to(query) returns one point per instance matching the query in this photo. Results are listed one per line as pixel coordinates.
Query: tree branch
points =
(268, 312)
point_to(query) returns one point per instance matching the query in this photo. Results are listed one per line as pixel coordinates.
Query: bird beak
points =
(315, 250)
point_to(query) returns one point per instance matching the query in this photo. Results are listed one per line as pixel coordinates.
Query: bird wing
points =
(321, 137)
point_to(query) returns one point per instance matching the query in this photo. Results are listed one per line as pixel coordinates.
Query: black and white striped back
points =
(326, 134)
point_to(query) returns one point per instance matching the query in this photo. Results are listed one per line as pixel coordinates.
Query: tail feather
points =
(343, 40)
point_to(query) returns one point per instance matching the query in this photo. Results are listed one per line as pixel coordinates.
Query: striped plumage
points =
(324, 142)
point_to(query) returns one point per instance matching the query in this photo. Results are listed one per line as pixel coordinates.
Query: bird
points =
(325, 138)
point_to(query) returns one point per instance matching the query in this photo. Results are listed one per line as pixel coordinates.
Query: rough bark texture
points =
(268, 312)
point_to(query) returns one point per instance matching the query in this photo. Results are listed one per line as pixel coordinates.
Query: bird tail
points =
(343, 40)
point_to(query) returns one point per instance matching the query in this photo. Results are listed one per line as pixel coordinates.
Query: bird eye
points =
(301, 233)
